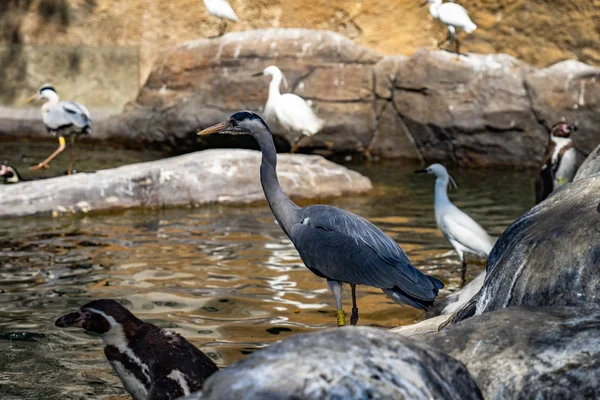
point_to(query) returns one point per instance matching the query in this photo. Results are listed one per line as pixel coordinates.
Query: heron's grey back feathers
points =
(68, 114)
(343, 246)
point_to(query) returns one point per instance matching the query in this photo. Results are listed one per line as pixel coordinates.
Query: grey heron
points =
(221, 9)
(333, 243)
(63, 119)
(291, 110)
(559, 165)
(454, 16)
(463, 233)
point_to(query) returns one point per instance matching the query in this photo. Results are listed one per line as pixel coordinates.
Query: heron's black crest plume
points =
(47, 86)
(241, 116)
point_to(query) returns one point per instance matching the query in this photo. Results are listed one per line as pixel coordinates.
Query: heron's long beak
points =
(70, 319)
(258, 74)
(421, 171)
(30, 99)
(424, 4)
(221, 126)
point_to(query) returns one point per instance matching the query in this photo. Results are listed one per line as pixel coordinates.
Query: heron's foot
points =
(341, 318)
(354, 316)
(39, 166)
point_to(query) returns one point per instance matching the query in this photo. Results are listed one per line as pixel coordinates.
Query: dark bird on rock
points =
(560, 163)
(152, 363)
(9, 174)
(335, 244)
(62, 119)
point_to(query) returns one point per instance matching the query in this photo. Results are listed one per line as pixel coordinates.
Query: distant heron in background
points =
(452, 15)
(221, 9)
(335, 244)
(62, 119)
(463, 233)
(559, 165)
(291, 110)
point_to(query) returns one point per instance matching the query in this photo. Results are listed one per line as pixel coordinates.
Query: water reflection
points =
(226, 278)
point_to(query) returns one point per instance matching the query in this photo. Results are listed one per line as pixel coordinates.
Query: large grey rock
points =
(348, 363)
(202, 82)
(529, 353)
(212, 176)
(591, 165)
(570, 91)
(550, 256)
(472, 110)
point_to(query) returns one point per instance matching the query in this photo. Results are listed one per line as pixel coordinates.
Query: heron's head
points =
(562, 130)
(46, 91)
(98, 316)
(438, 170)
(240, 123)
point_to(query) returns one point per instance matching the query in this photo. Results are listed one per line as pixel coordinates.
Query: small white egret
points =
(62, 119)
(559, 165)
(463, 233)
(291, 110)
(454, 16)
(221, 9)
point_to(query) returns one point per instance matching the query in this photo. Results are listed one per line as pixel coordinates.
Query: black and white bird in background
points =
(333, 243)
(152, 363)
(62, 119)
(9, 174)
(560, 163)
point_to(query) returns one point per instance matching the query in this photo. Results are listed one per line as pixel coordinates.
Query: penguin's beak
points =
(71, 319)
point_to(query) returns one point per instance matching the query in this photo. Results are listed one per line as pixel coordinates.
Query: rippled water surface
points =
(226, 278)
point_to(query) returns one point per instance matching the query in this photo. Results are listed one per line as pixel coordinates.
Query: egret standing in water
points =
(463, 233)
(221, 9)
(559, 165)
(454, 16)
(62, 119)
(291, 110)
(335, 244)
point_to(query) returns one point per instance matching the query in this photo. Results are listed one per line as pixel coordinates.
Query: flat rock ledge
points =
(212, 176)
(348, 363)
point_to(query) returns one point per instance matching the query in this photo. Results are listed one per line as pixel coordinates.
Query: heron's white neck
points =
(274, 85)
(441, 194)
(53, 100)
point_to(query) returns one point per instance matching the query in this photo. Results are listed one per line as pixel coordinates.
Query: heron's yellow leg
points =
(44, 164)
(341, 318)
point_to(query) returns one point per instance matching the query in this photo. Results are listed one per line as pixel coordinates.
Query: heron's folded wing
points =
(339, 257)
(463, 229)
(336, 240)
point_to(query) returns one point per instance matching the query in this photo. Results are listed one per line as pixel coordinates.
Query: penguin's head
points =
(563, 130)
(100, 316)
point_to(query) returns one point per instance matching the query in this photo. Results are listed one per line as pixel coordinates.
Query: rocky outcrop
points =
(568, 91)
(349, 363)
(550, 256)
(473, 110)
(529, 353)
(213, 176)
(590, 167)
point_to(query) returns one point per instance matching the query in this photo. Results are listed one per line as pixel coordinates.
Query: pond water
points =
(226, 278)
